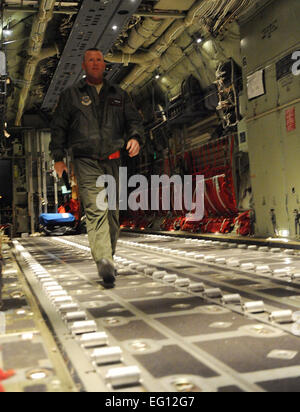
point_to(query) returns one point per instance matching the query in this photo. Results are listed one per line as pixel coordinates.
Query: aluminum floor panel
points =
(26, 344)
(170, 331)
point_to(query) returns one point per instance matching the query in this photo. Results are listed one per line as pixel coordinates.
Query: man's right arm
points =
(59, 134)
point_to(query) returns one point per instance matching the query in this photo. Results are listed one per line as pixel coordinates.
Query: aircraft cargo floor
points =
(186, 315)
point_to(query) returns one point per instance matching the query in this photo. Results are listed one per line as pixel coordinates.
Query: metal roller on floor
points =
(171, 316)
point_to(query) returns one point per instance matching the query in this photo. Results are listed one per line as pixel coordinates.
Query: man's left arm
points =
(134, 127)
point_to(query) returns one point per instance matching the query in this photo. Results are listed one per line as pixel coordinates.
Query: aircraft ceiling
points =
(144, 41)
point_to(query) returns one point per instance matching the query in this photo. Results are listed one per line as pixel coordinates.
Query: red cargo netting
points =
(214, 161)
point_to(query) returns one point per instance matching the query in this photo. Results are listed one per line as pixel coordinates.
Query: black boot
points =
(107, 272)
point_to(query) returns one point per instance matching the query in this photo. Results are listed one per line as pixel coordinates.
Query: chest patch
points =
(115, 101)
(86, 100)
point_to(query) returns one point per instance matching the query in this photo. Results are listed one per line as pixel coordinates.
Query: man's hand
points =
(60, 167)
(133, 148)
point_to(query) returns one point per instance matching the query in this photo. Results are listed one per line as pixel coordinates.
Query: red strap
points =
(5, 375)
(114, 156)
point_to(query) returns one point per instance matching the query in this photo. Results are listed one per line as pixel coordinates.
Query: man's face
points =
(94, 66)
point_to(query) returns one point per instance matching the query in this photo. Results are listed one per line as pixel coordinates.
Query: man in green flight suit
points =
(96, 119)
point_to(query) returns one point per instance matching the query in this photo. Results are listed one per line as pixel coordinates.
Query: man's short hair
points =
(92, 49)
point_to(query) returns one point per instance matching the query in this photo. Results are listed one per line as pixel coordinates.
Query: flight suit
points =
(95, 127)
(102, 226)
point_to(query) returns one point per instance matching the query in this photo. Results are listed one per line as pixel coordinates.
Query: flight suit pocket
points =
(113, 112)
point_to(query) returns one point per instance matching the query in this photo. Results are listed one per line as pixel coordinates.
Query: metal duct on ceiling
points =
(146, 62)
(36, 41)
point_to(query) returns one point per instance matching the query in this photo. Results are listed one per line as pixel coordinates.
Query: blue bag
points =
(56, 219)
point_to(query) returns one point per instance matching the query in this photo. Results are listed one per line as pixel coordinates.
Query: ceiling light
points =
(7, 32)
(198, 38)
(284, 233)
(115, 28)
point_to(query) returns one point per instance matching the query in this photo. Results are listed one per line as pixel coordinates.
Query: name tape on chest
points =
(114, 101)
